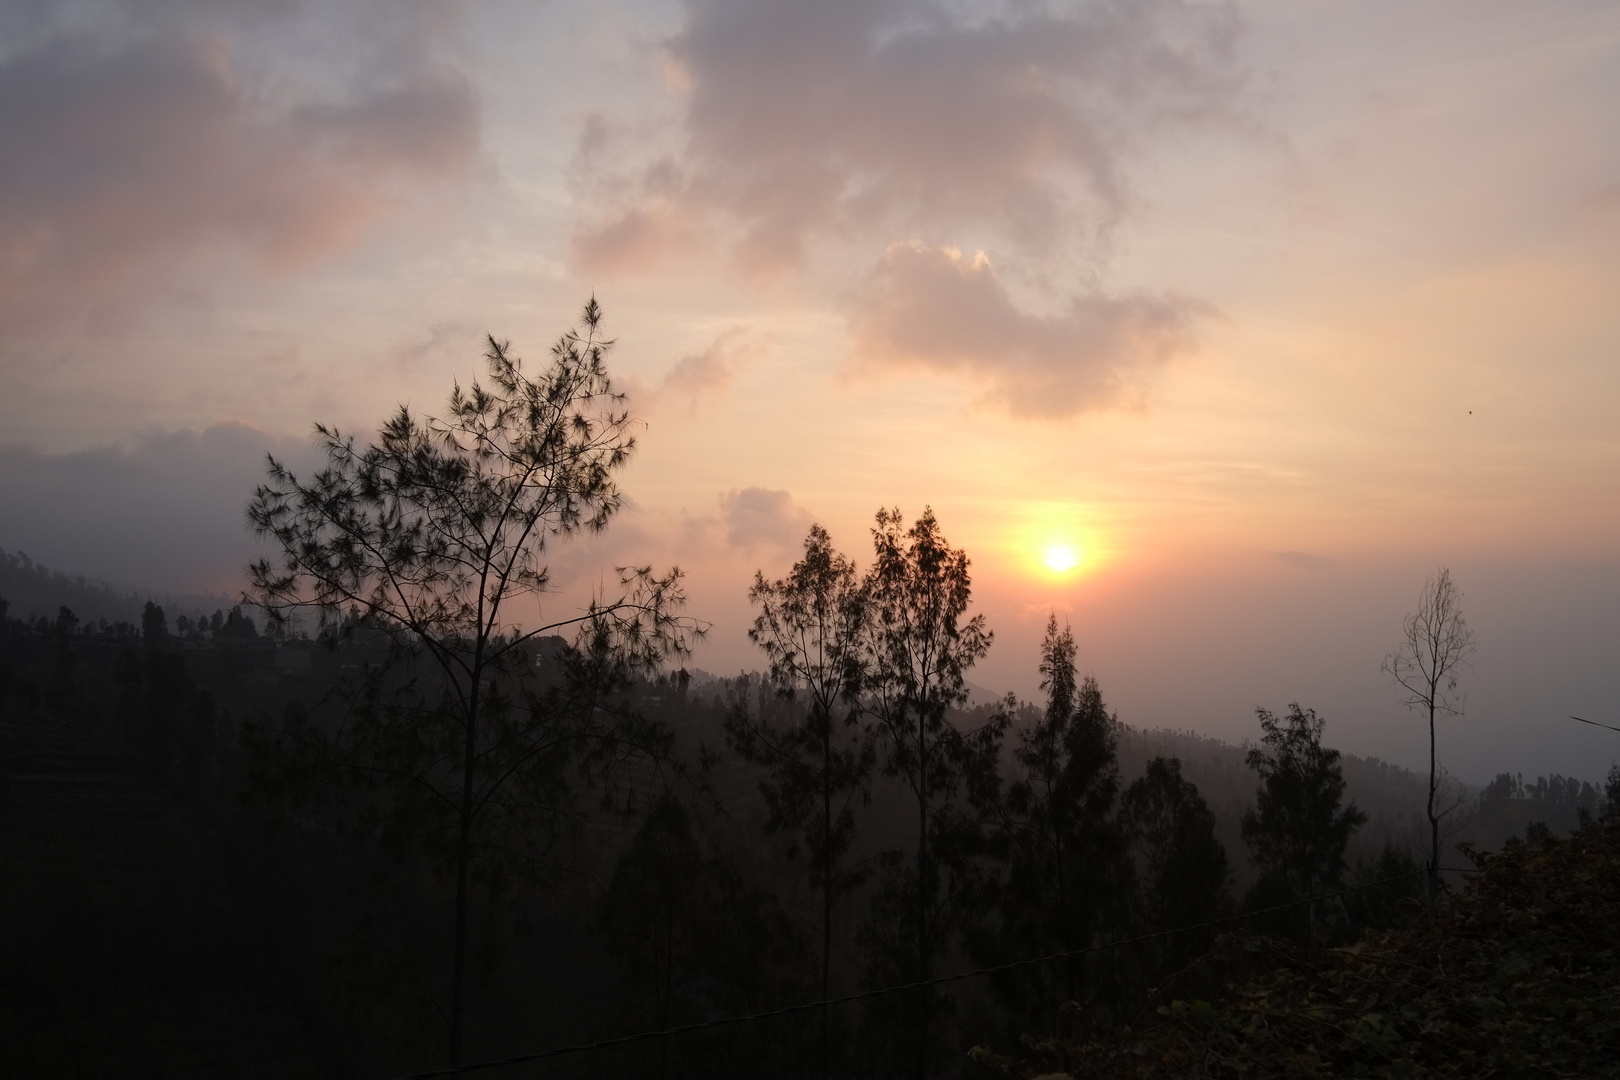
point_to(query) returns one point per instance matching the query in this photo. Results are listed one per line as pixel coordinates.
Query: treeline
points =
(1553, 791)
(764, 840)
(746, 844)
(36, 589)
(1025, 840)
(133, 682)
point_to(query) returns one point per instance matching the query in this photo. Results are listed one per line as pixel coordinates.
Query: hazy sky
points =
(1264, 310)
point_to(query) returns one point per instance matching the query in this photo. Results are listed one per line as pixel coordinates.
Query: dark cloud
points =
(166, 512)
(134, 137)
(804, 119)
(938, 309)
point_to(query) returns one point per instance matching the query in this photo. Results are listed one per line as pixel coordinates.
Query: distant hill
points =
(1393, 798)
(34, 589)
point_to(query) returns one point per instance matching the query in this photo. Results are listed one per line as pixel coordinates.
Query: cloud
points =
(844, 127)
(937, 309)
(756, 520)
(639, 237)
(442, 344)
(164, 512)
(699, 376)
(806, 120)
(129, 142)
(167, 512)
(756, 516)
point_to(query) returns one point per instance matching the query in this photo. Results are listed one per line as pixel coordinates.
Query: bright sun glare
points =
(1061, 557)
(1056, 544)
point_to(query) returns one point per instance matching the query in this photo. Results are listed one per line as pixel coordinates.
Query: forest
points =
(361, 821)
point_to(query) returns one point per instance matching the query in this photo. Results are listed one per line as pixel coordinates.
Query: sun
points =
(1057, 544)
(1060, 557)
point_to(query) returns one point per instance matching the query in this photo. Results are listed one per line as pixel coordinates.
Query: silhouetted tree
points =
(238, 626)
(917, 653)
(1435, 645)
(693, 938)
(154, 626)
(199, 741)
(1298, 829)
(1063, 855)
(1385, 884)
(60, 689)
(426, 537)
(1502, 788)
(1187, 873)
(170, 721)
(810, 626)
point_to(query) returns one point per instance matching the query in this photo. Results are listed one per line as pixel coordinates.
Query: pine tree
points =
(1298, 829)
(1187, 876)
(1064, 869)
(810, 626)
(918, 650)
(422, 543)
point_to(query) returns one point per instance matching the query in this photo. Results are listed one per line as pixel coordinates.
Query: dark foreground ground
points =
(121, 949)
(133, 945)
(1517, 976)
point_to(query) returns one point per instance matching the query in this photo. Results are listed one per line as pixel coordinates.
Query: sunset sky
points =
(1260, 311)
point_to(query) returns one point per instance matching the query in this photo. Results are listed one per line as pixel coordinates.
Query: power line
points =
(1594, 723)
(808, 1006)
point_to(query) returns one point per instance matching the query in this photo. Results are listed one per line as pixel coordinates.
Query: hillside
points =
(1392, 797)
(155, 916)
(1518, 975)
(33, 590)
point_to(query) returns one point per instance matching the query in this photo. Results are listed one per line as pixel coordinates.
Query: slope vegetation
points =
(1518, 975)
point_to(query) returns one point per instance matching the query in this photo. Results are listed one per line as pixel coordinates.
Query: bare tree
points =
(1435, 646)
(428, 537)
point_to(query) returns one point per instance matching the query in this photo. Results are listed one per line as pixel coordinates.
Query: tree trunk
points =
(458, 961)
(1434, 820)
(924, 956)
(1066, 938)
(668, 988)
(826, 885)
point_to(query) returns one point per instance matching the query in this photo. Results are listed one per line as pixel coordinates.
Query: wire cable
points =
(1594, 723)
(809, 1006)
